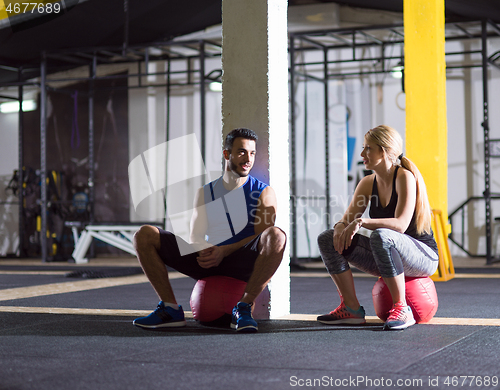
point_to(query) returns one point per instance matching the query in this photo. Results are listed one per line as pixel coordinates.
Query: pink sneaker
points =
(344, 315)
(400, 317)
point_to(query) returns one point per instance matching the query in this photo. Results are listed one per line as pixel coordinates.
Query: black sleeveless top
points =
(377, 211)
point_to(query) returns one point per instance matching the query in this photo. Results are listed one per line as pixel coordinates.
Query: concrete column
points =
(425, 86)
(255, 95)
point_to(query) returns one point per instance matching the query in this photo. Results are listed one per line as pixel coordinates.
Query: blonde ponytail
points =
(423, 214)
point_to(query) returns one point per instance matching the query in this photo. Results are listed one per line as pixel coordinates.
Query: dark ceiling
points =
(91, 23)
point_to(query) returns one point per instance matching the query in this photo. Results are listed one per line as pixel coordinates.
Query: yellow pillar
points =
(425, 87)
(3, 11)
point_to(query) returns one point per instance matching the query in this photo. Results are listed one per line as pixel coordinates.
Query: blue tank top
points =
(231, 213)
(377, 211)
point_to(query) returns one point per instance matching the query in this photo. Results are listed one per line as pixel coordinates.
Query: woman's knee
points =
(377, 235)
(386, 256)
(382, 237)
(325, 238)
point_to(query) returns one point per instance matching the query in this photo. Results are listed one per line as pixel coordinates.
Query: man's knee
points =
(274, 237)
(146, 236)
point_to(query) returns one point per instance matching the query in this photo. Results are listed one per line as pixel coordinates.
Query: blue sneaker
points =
(162, 317)
(242, 319)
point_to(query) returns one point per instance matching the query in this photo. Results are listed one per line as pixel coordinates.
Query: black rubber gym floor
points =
(61, 329)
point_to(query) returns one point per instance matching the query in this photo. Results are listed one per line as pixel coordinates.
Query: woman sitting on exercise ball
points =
(401, 242)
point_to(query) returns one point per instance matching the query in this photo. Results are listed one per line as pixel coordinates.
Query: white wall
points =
(9, 213)
(148, 128)
(8, 143)
(466, 143)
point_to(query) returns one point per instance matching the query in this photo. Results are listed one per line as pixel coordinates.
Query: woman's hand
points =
(342, 238)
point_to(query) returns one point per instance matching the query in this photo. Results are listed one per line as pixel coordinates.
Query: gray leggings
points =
(385, 253)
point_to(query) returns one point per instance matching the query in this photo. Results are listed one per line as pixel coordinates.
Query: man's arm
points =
(199, 222)
(265, 217)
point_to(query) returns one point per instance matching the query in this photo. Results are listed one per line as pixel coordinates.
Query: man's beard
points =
(233, 169)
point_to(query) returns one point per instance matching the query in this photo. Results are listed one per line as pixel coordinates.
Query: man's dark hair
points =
(241, 132)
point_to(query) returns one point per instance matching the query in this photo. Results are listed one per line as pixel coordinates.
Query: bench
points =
(120, 236)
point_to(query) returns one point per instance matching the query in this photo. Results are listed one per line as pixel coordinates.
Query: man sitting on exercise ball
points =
(252, 254)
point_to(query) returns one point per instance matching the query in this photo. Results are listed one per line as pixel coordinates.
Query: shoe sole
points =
(166, 325)
(347, 321)
(245, 329)
(400, 327)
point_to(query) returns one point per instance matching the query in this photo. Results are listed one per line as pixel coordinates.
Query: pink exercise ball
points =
(421, 296)
(213, 298)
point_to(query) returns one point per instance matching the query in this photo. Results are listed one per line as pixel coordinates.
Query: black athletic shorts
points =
(238, 265)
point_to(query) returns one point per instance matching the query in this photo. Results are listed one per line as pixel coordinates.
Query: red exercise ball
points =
(214, 297)
(421, 296)
(382, 300)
